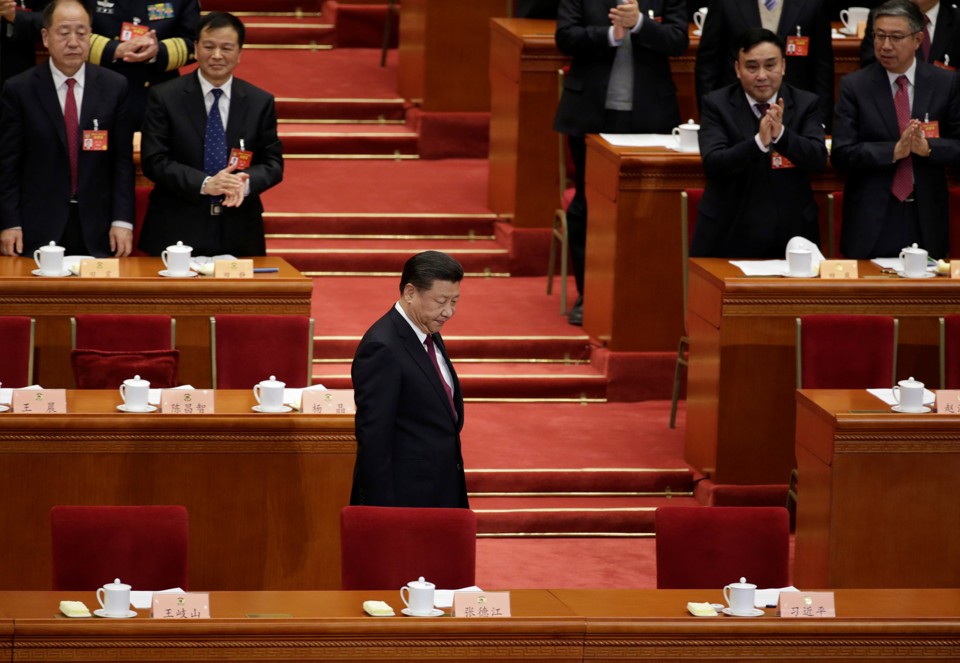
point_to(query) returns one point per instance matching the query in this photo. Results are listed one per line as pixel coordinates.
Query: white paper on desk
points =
(6, 393)
(770, 597)
(640, 140)
(443, 598)
(72, 263)
(153, 395)
(886, 395)
(204, 264)
(294, 397)
(761, 267)
(144, 600)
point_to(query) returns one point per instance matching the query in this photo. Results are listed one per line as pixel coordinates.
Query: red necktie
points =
(925, 44)
(432, 353)
(903, 177)
(71, 120)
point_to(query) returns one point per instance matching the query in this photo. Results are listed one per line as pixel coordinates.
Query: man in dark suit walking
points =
(409, 403)
(66, 164)
(210, 145)
(941, 35)
(897, 127)
(619, 82)
(760, 140)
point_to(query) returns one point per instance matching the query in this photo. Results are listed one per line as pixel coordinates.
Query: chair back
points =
(846, 351)
(145, 546)
(689, 204)
(565, 159)
(246, 349)
(708, 547)
(950, 352)
(387, 547)
(108, 349)
(834, 223)
(123, 332)
(17, 337)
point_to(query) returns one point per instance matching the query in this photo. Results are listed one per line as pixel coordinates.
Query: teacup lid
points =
(690, 125)
(136, 381)
(743, 584)
(420, 583)
(180, 247)
(912, 249)
(272, 382)
(910, 382)
(52, 246)
(116, 585)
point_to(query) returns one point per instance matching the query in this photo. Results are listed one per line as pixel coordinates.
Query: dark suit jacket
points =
(582, 31)
(35, 166)
(946, 38)
(172, 156)
(408, 444)
(749, 209)
(19, 41)
(728, 19)
(865, 132)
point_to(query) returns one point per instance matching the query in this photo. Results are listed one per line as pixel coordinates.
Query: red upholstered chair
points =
(846, 351)
(567, 191)
(950, 352)
(834, 223)
(108, 349)
(708, 547)
(246, 349)
(689, 202)
(144, 546)
(387, 547)
(16, 361)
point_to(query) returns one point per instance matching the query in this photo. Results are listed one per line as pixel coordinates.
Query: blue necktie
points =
(769, 4)
(215, 139)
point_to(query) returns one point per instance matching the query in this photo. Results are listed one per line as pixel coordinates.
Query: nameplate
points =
(39, 401)
(838, 269)
(233, 269)
(100, 268)
(193, 605)
(800, 605)
(330, 401)
(948, 401)
(955, 269)
(481, 604)
(186, 401)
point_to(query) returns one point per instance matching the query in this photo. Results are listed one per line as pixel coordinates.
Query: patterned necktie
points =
(432, 353)
(925, 44)
(769, 4)
(903, 176)
(215, 142)
(761, 110)
(71, 120)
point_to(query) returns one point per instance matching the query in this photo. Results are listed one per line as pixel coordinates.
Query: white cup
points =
(914, 262)
(134, 393)
(49, 258)
(909, 395)
(177, 259)
(419, 596)
(740, 596)
(800, 262)
(852, 18)
(269, 394)
(114, 598)
(699, 17)
(687, 136)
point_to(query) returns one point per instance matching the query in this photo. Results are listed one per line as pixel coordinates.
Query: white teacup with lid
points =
(740, 597)
(852, 18)
(909, 395)
(699, 17)
(269, 394)
(114, 598)
(418, 597)
(914, 261)
(177, 259)
(49, 259)
(687, 136)
(135, 392)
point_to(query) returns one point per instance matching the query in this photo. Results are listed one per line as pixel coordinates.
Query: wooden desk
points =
(548, 625)
(875, 505)
(264, 491)
(52, 301)
(742, 373)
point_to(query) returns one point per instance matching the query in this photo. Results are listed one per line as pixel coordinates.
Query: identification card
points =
(948, 401)
(159, 11)
(193, 605)
(798, 46)
(233, 269)
(838, 269)
(328, 401)
(778, 161)
(186, 401)
(95, 141)
(955, 269)
(240, 158)
(931, 129)
(944, 65)
(100, 268)
(130, 31)
(481, 604)
(39, 401)
(800, 605)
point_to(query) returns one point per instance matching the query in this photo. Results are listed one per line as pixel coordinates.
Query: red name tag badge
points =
(240, 158)
(95, 141)
(130, 31)
(931, 129)
(778, 161)
(798, 46)
(944, 65)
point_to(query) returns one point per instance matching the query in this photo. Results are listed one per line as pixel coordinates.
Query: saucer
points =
(926, 275)
(923, 409)
(683, 150)
(123, 408)
(281, 410)
(756, 612)
(38, 272)
(848, 32)
(433, 613)
(4, 408)
(698, 32)
(791, 275)
(103, 613)
(171, 275)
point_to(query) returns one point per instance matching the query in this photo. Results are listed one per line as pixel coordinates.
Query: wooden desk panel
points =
(140, 290)
(874, 506)
(263, 491)
(742, 373)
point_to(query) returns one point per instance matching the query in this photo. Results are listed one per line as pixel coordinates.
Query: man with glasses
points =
(897, 127)
(941, 35)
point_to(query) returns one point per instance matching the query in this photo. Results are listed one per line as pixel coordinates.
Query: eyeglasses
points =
(895, 38)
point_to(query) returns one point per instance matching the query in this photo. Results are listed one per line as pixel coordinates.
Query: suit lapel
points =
(91, 97)
(788, 18)
(922, 91)
(47, 97)
(193, 106)
(941, 34)
(883, 98)
(749, 11)
(417, 351)
(238, 115)
(742, 113)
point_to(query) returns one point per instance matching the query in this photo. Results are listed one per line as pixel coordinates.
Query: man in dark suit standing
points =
(210, 145)
(66, 164)
(409, 404)
(19, 35)
(897, 127)
(941, 35)
(619, 82)
(760, 140)
(802, 25)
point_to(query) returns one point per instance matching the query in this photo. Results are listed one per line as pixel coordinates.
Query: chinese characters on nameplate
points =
(186, 401)
(192, 605)
(481, 604)
(329, 401)
(800, 605)
(39, 401)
